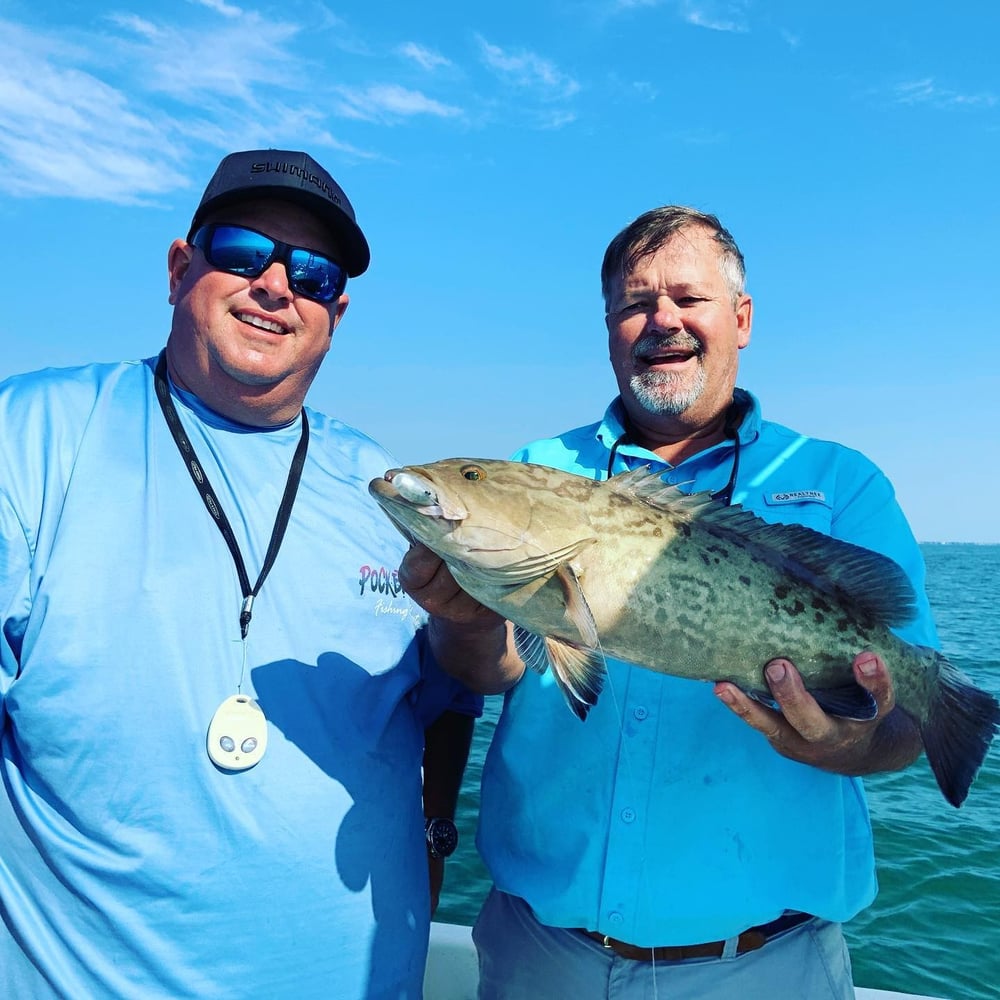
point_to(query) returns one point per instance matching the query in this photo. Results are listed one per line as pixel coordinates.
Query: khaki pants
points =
(522, 959)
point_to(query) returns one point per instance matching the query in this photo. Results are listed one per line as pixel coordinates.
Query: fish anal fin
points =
(848, 702)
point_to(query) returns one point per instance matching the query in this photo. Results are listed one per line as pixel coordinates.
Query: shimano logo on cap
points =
(293, 170)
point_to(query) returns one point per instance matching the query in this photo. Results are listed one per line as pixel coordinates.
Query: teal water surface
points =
(935, 927)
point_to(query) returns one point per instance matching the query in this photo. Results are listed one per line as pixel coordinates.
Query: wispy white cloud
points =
(926, 91)
(383, 102)
(117, 116)
(716, 15)
(63, 131)
(220, 7)
(527, 70)
(422, 56)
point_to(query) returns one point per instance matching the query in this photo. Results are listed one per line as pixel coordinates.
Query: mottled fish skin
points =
(683, 585)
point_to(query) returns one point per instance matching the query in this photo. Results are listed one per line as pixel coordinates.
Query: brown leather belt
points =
(749, 940)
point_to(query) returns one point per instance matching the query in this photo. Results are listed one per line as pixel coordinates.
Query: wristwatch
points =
(442, 836)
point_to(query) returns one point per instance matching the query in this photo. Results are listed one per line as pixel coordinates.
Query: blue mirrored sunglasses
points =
(242, 251)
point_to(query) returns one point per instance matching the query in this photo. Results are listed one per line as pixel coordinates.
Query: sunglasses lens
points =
(314, 276)
(239, 251)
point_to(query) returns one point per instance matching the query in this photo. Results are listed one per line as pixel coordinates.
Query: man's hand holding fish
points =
(802, 731)
(471, 641)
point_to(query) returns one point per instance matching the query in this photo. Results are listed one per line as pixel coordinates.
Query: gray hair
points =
(652, 230)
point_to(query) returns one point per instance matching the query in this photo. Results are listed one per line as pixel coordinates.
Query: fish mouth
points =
(403, 488)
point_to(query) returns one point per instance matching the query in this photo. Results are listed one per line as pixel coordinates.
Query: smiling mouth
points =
(269, 325)
(666, 358)
(653, 351)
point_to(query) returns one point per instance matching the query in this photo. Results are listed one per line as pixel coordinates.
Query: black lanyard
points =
(734, 417)
(207, 494)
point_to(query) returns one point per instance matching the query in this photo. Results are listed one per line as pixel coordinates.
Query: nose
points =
(273, 282)
(665, 315)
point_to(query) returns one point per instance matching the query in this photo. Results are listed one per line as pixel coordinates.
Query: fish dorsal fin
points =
(872, 584)
(578, 672)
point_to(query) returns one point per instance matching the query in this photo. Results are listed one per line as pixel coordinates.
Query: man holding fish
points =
(707, 838)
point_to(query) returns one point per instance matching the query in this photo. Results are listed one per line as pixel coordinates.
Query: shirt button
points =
(628, 815)
(641, 712)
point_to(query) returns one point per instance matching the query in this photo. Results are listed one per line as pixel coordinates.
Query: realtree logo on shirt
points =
(794, 496)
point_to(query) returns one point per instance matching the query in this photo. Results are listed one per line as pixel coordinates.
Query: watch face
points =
(442, 835)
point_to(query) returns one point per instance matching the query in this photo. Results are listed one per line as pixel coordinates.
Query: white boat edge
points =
(453, 970)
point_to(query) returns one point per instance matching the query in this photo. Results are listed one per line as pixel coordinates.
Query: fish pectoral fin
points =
(578, 612)
(848, 702)
(578, 671)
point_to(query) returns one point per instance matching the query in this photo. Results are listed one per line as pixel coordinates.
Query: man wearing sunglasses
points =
(214, 692)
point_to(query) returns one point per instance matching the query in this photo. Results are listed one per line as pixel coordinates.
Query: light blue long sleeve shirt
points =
(663, 819)
(130, 866)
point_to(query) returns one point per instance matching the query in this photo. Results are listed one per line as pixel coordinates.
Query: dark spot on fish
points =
(781, 592)
(774, 605)
(705, 559)
(745, 580)
(796, 608)
(819, 618)
(843, 624)
(685, 529)
(819, 604)
(719, 550)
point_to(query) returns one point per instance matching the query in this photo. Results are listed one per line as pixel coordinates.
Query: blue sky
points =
(491, 152)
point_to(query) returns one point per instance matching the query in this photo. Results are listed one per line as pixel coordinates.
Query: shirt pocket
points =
(810, 507)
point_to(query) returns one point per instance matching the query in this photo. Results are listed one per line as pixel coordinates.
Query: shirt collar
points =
(612, 427)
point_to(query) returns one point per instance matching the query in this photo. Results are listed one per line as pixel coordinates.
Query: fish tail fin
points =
(957, 732)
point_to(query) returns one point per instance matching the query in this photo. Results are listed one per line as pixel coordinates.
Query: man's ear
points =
(179, 258)
(744, 320)
(337, 313)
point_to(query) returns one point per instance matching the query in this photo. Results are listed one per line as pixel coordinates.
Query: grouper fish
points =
(680, 583)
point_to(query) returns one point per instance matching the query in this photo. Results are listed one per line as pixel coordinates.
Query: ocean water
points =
(935, 927)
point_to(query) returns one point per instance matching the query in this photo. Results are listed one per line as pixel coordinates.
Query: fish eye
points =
(473, 472)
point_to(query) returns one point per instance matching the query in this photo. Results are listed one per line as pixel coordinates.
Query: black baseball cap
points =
(293, 176)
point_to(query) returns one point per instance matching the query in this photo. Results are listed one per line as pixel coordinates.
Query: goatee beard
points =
(667, 393)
